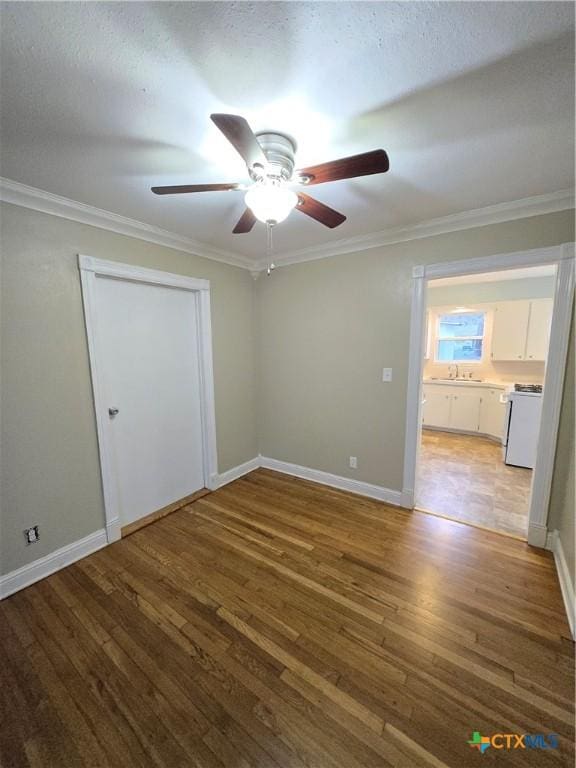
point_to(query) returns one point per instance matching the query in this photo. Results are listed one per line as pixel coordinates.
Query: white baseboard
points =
(39, 569)
(114, 530)
(335, 481)
(407, 498)
(537, 535)
(554, 544)
(217, 481)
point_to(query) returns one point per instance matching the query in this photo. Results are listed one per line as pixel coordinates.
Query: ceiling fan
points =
(269, 157)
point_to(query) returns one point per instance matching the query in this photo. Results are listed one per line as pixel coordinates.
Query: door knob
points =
(113, 411)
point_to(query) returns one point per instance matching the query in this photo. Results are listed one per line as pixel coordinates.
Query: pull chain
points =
(270, 267)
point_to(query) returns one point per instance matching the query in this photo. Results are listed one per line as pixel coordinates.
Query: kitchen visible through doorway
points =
(487, 338)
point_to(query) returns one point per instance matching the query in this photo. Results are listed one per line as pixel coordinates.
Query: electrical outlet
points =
(353, 462)
(386, 374)
(31, 534)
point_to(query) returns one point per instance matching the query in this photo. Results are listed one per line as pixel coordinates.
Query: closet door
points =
(148, 343)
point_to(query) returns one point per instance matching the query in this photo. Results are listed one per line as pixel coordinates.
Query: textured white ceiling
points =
(472, 101)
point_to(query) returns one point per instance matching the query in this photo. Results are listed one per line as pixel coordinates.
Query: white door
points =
(539, 329)
(509, 330)
(465, 411)
(436, 409)
(149, 353)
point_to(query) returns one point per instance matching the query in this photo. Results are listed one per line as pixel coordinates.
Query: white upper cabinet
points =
(510, 330)
(538, 329)
(521, 330)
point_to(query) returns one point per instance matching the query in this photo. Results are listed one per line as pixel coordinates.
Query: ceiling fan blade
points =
(186, 188)
(317, 210)
(242, 138)
(365, 164)
(245, 223)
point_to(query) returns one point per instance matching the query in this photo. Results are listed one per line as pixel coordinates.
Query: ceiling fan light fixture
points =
(270, 203)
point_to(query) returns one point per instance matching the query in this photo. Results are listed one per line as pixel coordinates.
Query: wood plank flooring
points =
(283, 624)
(463, 477)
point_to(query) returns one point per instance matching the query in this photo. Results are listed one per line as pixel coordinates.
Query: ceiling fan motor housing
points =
(279, 149)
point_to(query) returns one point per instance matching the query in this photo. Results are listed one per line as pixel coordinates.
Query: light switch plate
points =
(386, 374)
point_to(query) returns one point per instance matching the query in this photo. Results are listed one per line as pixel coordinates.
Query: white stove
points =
(522, 425)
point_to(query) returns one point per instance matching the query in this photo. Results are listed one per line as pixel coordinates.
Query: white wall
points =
(498, 290)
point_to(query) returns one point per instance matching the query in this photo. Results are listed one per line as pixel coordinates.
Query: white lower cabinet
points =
(492, 413)
(463, 409)
(436, 408)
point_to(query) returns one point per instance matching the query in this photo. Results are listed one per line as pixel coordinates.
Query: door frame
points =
(563, 257)
(90, 269)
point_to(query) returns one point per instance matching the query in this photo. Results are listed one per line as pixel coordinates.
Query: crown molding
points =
(480, 217)
(46, 202)
(39, 200)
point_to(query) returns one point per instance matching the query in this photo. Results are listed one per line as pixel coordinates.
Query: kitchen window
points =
(460, 337)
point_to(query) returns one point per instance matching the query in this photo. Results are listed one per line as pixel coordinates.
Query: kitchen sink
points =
(438, 378)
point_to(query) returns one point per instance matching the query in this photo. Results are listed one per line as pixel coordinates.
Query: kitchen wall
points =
(483, 296)
(50, 465)
(508, 371)
(326, 329)
(499, 290)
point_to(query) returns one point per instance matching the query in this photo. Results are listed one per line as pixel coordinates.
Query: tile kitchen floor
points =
(463, 477)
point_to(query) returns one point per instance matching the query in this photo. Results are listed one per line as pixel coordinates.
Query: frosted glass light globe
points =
(270, 202)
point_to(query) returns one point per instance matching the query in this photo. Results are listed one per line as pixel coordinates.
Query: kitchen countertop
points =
(467, 383)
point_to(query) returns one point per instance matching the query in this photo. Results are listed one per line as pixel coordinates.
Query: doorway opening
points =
(486, 347)
(560, 257)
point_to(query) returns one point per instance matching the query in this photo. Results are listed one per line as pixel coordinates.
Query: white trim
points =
(46, 202)
(538, 205)
(498, 261)
(554, 544)
(537, 534)
(417, 343)
(89, 269)
(55, 561)
(563, 256)
(236, 472)
(141, 274)
(335, 481)
(208, 409)
(553, 387)
(39, 200)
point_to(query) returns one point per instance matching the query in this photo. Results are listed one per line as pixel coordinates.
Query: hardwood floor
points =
(464, 478)
(279, 623)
